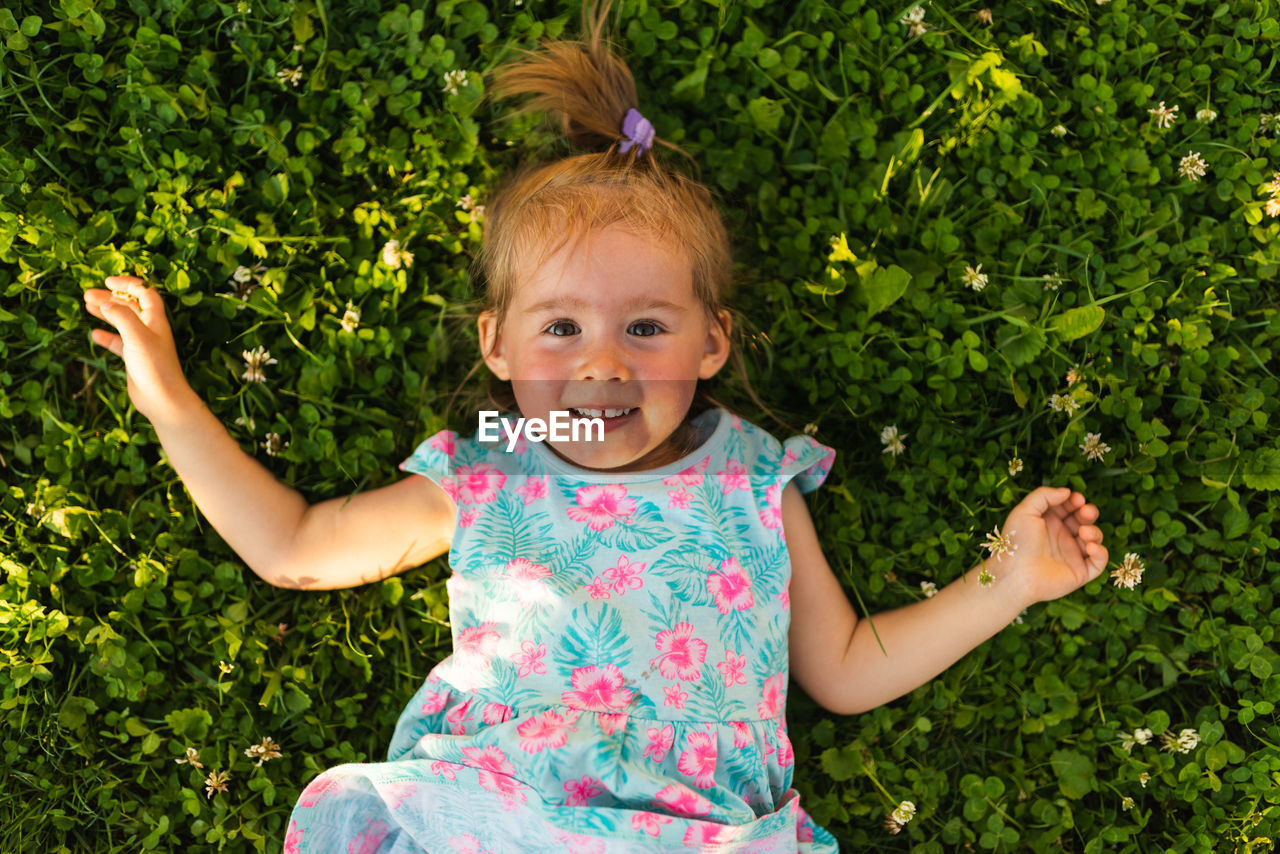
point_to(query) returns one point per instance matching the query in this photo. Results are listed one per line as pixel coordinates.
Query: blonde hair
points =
(544, 205)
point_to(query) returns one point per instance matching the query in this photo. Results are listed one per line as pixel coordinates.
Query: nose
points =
(604, 361)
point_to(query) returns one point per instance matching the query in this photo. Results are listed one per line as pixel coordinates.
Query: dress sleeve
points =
(806, 460)
(434, 459)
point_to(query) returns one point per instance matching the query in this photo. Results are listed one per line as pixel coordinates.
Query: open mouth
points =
(603, 413)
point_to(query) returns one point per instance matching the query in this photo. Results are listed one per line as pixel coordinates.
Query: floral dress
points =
(619, 670)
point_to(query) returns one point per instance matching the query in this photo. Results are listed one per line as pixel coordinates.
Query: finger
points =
(148, 299)
(122, 316)
(1041, 499)
(106, 340)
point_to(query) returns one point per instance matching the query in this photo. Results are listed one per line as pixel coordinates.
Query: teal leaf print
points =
(571, 561)
(643, 529)
(593, 637)
(508, 530)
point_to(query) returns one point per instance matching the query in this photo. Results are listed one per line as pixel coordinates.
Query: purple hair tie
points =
(639, 132)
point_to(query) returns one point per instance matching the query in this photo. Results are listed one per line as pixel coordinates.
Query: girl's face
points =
(609, 322)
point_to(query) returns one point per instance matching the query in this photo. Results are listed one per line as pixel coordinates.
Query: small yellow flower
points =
(840, 250)
(225, 668)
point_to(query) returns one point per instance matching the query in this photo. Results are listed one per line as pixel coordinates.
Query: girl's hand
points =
(156, 383)
(1058, 547)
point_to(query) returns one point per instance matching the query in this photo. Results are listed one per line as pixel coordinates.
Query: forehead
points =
(607, 267)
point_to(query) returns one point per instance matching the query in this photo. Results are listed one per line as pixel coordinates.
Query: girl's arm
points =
(836, 658)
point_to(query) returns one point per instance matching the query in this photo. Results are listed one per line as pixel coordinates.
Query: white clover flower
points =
(351, 318)
(216, 782)
(225, 668)
(290, 75)
(263, 752)
(985, 578)
(242, 274)
(1093, 447)
(256, 360)
(811, 429)
(1273, 207)
(1128, 575)
(999, 544)
(1143, 778)
(1269, 121)
(892, 440)
(1141, 735)
(1051, 281)
(1272, 186)
(974, 278)
(915, 13)
(1184, 742)
(1063, 402)
(1206, 115)
(454, 79)
(1192, 166)
(1126, 803)
(1059, 131)
(1164, 116)
(904, 813)
(929, 588)
(1015, 466)
(1073, 376)
(394, 257)
(274, 444)
(983, 16)
(193, 759)
(466, 202)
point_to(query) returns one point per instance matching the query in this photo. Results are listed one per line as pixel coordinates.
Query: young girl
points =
(626, 608)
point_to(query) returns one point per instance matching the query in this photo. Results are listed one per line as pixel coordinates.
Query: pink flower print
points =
(789, 457)
(682, 800)
(785, 596)
(535, 487)
(741, 734)
(458, 717)
(786, 756)
(730, 586)
(735, 422)
(546, 731)
(611, 722)
(598, 589)
(293, 837)
(318, 789)
(479, 484)
(578, 844)
(368, 842)
(445, 769)
(434, 702)
(467, 518)
(521, 445)
(467, 844)
(581, 791)
(731, 669)
(698, 760)
(660, 741)
(650, 822)
(601, 506)
(691, 476)
(475, 646)
(527, 580)
(804, 828)
(444, 441)
(771, 515)
(674, 697)
(626, 575)
(681, 653)
(397, 793)
(734, 477)
(701, 835)
(599, 689)
(773, 696)
(679, 499)
(496, 713)
(495, 770)
(450, 486)
(529, 659)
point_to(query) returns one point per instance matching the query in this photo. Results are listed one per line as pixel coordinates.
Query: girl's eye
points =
(562, 325)
(648, 326)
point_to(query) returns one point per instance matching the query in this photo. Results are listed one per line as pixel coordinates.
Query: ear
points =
(491, 345)
(716, 351)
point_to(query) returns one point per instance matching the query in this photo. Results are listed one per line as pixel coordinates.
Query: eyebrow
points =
(640, 303)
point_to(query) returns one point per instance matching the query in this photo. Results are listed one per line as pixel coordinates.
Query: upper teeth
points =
(602, 413)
